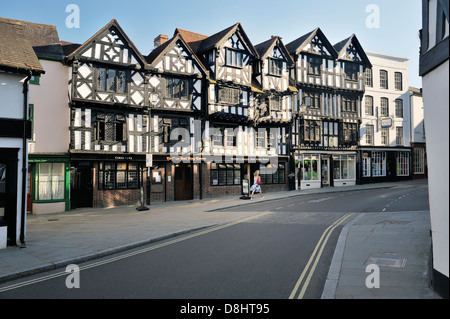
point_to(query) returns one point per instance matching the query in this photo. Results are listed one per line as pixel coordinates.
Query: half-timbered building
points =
(109, 125)
(233, 148)
(325, 133)
(272, 113)
(175, 88)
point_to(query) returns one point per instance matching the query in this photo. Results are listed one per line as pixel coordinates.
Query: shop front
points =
(48, 184)
(106, 180)
(317, 169)
(385, 164)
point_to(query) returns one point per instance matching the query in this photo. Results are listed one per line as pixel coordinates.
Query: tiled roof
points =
(69, 47)
(193, 39)
(16, 52)
(43, 38)
(262, 48)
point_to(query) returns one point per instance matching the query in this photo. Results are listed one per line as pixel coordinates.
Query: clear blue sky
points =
(143, 20)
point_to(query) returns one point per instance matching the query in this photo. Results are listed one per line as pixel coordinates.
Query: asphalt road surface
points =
(282, 253)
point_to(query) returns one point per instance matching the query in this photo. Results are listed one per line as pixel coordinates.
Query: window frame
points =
(103, 171)
(234, 58)
(402, 163)
(368, 75)
(384, 108)
(378, 164)
(174, 88)
(370, 137)
(37, 183)
(384, 131)
(277, 177)
(384, 77)
(229, 95)
(399, 138)
(351, 71)
(368, 107)
(315, 65)
(227, 170)
(399, 108)
(275, 67)
(111, 79)
(398, 81)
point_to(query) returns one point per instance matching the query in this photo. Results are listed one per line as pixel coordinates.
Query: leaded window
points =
(112, 175)
(111, 80)
(177, 88)
(225, 174)
(229, 95)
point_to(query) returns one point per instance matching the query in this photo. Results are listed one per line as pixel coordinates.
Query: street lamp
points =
(149, 158)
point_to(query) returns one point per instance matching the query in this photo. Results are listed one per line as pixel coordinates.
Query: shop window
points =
(344, 167)
(402, 163)
(419, 160)
(113, 175)
(50, 181)
(225, 174)
(274, 175)
(309, 168)
(366, 166)
(378, 163)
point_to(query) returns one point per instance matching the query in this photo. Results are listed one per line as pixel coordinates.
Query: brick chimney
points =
(160, 39)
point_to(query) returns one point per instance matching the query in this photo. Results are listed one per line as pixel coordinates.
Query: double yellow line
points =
(314, 259)
(132, 253)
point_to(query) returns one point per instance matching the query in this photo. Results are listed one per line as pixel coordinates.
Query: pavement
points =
(398, 243)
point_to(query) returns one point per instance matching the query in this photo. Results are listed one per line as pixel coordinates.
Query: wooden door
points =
(183, 182)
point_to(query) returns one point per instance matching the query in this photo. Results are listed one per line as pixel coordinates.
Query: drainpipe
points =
(24, 158)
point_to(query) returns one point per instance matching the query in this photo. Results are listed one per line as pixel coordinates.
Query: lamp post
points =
(149, 156)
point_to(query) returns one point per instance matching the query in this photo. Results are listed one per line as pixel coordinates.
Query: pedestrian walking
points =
(256, 187)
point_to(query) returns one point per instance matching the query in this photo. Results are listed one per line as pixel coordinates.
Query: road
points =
(283, 252)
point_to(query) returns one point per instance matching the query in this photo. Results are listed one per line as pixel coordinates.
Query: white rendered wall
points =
(11, 106)
(436, 106)
(391, 64)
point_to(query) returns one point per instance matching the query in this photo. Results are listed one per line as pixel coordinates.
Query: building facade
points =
(434, 69)
(385, 133)
(109, 124)
(330, 83)
(18, 64)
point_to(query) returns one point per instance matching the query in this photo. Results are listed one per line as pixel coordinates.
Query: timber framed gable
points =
(178, 78)
(108, 69)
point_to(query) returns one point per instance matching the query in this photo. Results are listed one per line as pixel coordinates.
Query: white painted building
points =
(18, 64)
(434, 69)
(386, 120)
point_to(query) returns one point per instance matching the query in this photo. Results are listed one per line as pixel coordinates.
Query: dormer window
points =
(234, 58)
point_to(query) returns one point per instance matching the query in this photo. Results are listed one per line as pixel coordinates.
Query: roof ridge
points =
(26, 22)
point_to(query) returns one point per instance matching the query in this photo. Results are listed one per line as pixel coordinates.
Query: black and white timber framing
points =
(231, 97)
